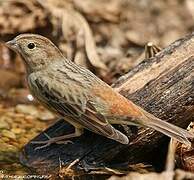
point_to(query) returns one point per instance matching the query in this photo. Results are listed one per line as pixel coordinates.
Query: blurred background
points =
(106, 36)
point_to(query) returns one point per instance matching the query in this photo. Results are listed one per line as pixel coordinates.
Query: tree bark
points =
(162, 85)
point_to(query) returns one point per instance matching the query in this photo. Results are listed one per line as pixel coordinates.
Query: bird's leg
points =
(59, 139)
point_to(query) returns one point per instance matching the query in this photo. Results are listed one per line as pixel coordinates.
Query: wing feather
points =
(81, 111)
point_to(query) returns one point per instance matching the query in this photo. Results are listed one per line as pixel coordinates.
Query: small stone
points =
(34, 112)
(8, 134)
(23, 141)
(5, 139)
(46, 115)
(17, 130)
(27, 109)
(19, 115)
(3, 123)
(29, 118)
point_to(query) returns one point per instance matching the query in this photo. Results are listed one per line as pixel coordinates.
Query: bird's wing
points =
(73, 101)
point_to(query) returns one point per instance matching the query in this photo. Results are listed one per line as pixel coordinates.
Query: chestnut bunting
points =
(76, 94)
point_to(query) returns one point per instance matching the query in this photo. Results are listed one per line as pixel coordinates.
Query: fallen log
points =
(162, 85)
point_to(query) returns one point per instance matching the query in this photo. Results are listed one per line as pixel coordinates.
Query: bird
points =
(80, 97)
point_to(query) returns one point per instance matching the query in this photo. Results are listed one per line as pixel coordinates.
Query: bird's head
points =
(36, 50)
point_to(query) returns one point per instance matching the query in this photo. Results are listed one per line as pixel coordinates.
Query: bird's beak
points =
(12, 44)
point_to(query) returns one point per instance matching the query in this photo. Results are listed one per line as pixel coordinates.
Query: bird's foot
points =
(50, 141)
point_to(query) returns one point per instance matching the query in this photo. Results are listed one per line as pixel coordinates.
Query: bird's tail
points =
(168, 129)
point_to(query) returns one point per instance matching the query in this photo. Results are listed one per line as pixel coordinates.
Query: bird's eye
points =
(31, 45)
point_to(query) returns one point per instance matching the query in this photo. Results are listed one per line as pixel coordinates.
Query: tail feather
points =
(168, 129)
